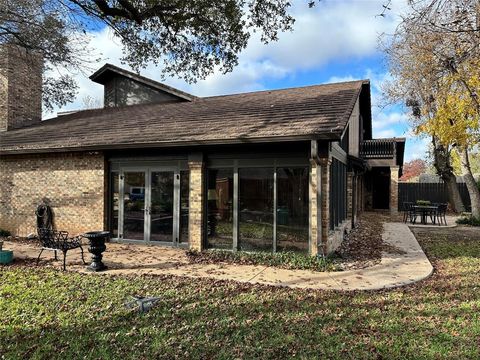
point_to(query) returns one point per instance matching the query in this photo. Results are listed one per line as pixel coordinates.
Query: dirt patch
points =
(22, 240)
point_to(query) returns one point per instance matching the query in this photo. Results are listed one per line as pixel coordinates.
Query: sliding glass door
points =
(161, 206)
(155, 205)
(134, 205)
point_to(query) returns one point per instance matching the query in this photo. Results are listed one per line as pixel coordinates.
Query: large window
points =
(338, 193)
(184, 204)
(220, 208)
(292, 209)
(258, 208)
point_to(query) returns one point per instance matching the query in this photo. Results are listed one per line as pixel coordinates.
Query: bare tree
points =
(433, 53)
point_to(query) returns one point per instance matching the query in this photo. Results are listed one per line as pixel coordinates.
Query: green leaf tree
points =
(189, 38)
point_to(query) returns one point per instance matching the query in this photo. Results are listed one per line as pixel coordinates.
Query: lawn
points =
(45, 313)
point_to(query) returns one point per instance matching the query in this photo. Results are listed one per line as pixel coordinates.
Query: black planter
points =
(96, 248)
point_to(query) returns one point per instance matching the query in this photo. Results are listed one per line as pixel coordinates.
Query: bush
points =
(468, 220)
(423, 202)
(5, 233)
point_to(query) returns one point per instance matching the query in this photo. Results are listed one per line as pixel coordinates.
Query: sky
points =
(335, 41)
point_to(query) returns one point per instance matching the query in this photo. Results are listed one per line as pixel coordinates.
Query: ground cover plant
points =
(285, 260)
(52, 314)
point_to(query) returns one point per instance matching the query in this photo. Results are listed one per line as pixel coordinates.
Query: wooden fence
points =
(434, 192)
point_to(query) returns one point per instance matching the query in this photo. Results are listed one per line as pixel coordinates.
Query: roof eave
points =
(330, 136)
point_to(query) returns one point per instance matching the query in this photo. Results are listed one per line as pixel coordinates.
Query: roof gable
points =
(109, 72)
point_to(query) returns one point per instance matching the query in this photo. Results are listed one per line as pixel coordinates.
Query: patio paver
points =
(408, 265)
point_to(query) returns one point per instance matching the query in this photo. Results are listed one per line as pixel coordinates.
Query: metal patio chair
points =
(58, 241)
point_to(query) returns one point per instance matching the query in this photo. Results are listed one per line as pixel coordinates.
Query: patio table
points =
(425, 210)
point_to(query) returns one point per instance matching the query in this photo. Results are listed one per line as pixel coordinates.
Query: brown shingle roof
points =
(312, 112)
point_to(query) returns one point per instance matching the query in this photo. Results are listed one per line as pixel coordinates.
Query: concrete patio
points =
(451, 223)
(406, 265)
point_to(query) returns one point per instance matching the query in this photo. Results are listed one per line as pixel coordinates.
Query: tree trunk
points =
(473, 190)
(445, 171)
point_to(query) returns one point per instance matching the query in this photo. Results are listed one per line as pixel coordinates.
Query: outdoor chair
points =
(58, 241)
(408, 211)
(440, 214)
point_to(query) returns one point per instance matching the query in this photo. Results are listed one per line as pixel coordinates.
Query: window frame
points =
(239, 163)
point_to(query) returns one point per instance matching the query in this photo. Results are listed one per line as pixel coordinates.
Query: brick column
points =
(349, 194)
(325, 200)
(394, 189)
(315, 208)
(196, 198)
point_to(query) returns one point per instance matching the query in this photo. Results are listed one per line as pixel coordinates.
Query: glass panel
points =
(292, 209)
(220, 209)
(161, 209)
(114, 193)
(134, 205)
(256, 209)
(184, 204)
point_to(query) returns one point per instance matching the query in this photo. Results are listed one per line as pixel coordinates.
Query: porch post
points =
(315, 208)
(325, 201)
(196, 199)
(350, 194)
(394, 170)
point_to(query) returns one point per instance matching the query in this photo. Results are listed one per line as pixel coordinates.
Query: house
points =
(276, 170)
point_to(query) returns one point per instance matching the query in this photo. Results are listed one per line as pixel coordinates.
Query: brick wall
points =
(394, 171)
(325, 213)
(20, 88)
(315, 208)
(349, 194)
(72, 183)
(195, 221)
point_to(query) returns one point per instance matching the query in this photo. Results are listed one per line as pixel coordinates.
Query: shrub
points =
(5, 233)
(286, 260)
(468, 220)
(423, 202)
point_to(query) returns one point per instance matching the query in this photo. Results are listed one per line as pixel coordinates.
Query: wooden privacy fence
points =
(434, 192)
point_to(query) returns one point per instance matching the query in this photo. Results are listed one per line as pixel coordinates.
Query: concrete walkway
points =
(407, 265)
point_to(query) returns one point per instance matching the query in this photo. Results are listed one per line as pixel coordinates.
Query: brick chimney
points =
(20, 87)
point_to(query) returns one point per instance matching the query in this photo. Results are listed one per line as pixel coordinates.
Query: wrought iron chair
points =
(408, 211)
(58, 241)
(440, 214)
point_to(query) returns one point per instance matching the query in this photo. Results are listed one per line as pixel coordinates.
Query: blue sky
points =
(337, 40)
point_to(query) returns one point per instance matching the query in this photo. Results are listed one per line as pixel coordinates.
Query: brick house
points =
(269, 170)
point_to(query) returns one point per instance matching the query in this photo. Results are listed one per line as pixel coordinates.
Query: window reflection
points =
(220, 209)
(161, 208)
(114, 186)
(134, 205)
(184, 204)
(255, 209)
(292, 209)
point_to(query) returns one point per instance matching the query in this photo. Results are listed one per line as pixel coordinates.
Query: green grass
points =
(50, 314)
